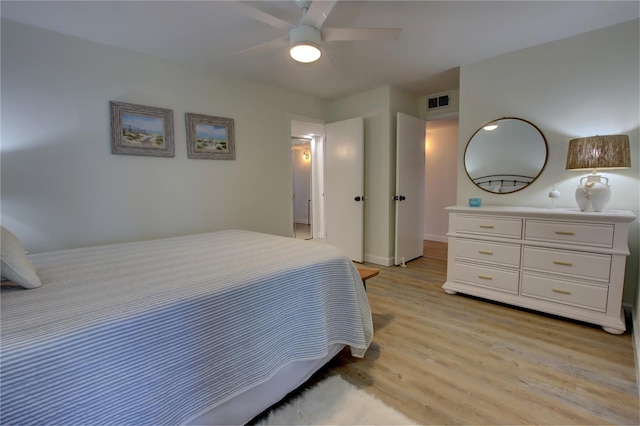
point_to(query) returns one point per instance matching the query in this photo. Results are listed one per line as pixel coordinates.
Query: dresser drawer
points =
(484, 251)
(566, 292)
(486, 225)
(497, 279)
(575, 264)
(594, 234)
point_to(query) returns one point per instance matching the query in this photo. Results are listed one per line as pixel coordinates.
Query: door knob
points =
(399, 198)
(402, 198)
(358, 198)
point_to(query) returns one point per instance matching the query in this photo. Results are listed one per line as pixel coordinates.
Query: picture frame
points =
(141, 130)
(211, 138)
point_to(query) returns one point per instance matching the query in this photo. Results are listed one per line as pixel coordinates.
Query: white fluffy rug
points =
(335, 401)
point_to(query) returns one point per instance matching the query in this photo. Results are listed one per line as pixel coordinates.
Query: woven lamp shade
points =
(599, 152)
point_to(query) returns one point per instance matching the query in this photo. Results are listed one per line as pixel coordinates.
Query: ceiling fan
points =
(306, 36)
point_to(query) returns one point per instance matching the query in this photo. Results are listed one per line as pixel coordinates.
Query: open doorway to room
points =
(441, 176)
(307, 155)
(301, 162)
(424, 189)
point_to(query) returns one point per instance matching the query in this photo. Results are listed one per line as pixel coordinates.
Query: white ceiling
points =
(438, 36)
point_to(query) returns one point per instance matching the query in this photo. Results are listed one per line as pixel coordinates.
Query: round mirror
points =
(505, 155)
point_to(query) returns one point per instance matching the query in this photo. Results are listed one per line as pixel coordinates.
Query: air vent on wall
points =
(441, 101)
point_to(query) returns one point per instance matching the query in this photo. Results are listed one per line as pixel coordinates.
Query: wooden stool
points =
(366, 273)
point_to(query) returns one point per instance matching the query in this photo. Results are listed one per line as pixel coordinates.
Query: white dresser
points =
(560, 261)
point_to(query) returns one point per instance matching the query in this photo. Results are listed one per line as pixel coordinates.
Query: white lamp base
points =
(593, 194)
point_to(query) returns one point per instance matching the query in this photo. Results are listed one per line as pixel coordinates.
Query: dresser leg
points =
(450, 291)
(612, 330)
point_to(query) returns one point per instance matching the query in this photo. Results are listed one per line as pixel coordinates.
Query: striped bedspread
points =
(155, 332)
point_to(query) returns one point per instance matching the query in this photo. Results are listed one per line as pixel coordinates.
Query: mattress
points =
(161, 331)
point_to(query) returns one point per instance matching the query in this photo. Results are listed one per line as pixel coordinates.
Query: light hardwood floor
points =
(302, 231)
(453, 359)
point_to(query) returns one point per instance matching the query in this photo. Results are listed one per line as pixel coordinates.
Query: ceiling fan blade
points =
(348, 34)
(318, 12)
(326, 56)
(260, 15)
(265, 47)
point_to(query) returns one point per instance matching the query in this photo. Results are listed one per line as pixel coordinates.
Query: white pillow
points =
(15, 265)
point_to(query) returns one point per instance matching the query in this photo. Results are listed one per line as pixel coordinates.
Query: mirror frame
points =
(546, 156)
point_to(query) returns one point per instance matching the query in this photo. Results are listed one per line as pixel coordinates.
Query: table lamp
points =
(594, 153)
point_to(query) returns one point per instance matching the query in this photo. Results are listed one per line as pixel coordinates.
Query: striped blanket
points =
(155, 332)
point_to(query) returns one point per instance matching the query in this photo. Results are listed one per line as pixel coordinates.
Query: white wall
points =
(580, 86)
(62, 187)
(441, 161)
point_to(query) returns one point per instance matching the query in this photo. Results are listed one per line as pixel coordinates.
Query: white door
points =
(344, 186)
(409, 196)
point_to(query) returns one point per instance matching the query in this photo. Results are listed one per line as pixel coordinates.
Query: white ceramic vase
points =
(593, 193)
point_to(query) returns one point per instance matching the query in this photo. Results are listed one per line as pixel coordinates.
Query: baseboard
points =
(390, 261)
(439, 238)
(379, 260)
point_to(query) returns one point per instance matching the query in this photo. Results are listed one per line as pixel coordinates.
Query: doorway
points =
(434, 185)
(441, 175)
(301, 163)
(337, 182)
(307, 152)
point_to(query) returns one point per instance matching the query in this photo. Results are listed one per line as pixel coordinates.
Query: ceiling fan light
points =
(305, 43)
(305, 53)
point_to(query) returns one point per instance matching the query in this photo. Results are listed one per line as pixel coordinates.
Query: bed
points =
(202, 329)
(503, 182)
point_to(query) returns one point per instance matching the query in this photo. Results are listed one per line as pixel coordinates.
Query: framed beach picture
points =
(141, 130)
(210, 137)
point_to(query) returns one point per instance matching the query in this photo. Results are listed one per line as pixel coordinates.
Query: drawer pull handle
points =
(560, 262)
(486, 226)
(564, 233)
(561, 291)
(485, 277)
(485, 252)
